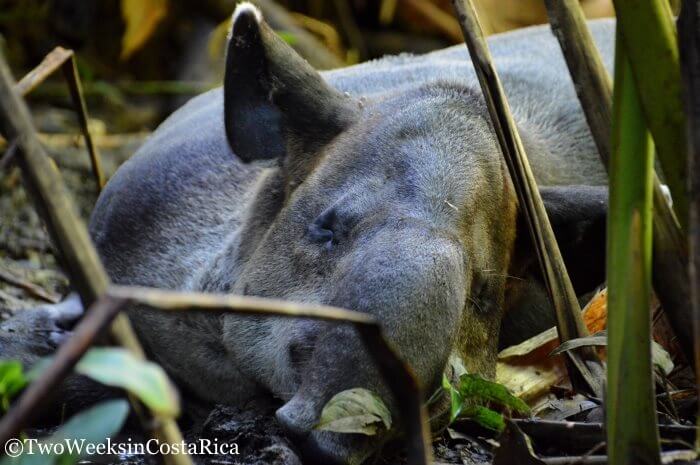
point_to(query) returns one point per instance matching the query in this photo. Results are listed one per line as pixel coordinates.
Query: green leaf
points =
(147, 380)
(119, 368)
(485, 417)
(12, 381)
(288, 37)
(473, 387)
(92, 426)
(356, 410)
(456, 399)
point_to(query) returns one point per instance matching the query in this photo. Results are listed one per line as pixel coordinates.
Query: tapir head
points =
(400, 207)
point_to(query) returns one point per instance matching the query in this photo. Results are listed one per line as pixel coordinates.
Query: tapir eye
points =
(322, 230)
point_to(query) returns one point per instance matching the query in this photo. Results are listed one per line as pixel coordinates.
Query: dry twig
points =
(65, 59)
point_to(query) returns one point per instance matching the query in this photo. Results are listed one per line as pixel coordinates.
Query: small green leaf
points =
(476, 388)
(456, 399)
(485, 417)
(356, 410)
(12, 381)
(117, 367)
(288, 37)
(147, 380)
(92, 426)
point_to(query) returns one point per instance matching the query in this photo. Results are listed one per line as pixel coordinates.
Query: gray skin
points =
(378, 188)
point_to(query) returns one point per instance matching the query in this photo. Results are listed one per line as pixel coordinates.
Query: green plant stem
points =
(631, 414)
(651, 45)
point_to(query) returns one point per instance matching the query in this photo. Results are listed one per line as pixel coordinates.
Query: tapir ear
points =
(578, 215)
(273, 98)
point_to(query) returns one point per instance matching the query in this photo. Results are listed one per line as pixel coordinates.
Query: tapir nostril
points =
(291, 423)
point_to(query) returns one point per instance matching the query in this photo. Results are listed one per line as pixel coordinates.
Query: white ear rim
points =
(246, 8)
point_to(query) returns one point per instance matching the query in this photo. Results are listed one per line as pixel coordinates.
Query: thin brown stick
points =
(176, 301)
(8, 156)
(65, 226)
(68, 354)
(594, 90)
(592, 82)
(70, 71)
(31, 288)
(46, 68)
(398, 376)
(570, 325)
(62, 58)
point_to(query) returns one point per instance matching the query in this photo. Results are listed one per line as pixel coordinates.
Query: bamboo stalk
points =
(67, 230)
(594, 91)
(568, 313)
(649, 35)
(630, 405)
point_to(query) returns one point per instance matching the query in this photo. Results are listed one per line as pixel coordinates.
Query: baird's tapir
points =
(378, 188)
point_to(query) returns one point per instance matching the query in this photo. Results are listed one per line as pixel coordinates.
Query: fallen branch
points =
(666, 458)
(578, 437)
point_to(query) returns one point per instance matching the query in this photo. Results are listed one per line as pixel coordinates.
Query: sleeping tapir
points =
(379, 188)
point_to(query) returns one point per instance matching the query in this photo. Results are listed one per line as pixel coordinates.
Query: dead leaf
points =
(141, 17)
(357, 411)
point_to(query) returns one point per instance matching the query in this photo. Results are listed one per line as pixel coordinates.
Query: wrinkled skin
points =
(379, 188)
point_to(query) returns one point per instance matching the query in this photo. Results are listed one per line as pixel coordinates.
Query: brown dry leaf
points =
(595, 315)
(217, 39)
(528, 371)
(141, 17)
